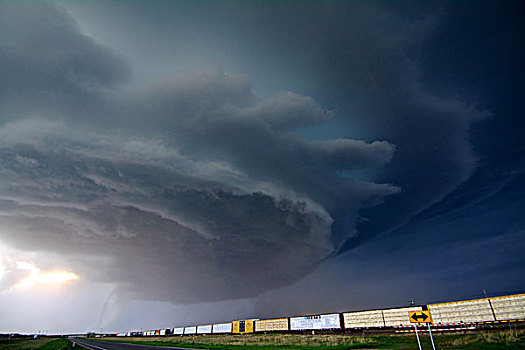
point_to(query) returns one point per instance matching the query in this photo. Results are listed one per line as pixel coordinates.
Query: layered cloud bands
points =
(185, 189)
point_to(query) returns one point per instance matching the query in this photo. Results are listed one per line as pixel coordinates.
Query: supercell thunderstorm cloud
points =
(193, 171)
(231, 174)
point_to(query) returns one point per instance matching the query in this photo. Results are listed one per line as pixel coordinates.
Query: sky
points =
(173, 163)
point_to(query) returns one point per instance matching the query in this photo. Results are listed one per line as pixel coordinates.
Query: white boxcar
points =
(204, 329)
(399, 317)
(329, 321)
(178, 331)
(162, 332)
(190, 330)
(511, 307)
(222, 328)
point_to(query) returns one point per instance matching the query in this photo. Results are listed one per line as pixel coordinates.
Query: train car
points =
(204, 329)
(178, 331)
(399, 317)
(363, 319)
(484, 310)
(190, 330)
(243, 326)
(272, 325)
(467, 311)
(315, 322)
(381, 318)
(509, 307)
(222, 328)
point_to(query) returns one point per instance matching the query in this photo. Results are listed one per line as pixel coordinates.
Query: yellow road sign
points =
(419, 316)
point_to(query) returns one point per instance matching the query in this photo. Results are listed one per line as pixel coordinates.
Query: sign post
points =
(431, 339)
(417, 337)
(421, 317)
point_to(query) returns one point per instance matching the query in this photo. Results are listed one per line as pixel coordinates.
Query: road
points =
(104, 345)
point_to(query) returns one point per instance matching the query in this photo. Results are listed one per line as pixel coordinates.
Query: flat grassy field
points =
(472, 341)
(40, 343)
(480, 341)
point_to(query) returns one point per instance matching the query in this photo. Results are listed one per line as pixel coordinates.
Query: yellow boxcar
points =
(242, 326)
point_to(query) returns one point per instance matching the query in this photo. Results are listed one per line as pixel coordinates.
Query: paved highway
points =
(104, 345)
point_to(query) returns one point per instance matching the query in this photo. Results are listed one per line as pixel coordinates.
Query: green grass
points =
(271, 345)
(245, 347)
(514, 340)
(472, 341)
(58, 344)
(40, 344)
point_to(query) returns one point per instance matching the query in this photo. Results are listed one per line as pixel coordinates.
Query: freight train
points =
(456, 315)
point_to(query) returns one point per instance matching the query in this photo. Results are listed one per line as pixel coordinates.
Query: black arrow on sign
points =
(421, 316)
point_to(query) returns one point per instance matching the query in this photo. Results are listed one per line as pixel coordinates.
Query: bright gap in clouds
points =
(38, 277)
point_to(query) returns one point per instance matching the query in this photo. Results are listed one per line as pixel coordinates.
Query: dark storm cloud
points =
(368, 60)
(374, 73)
(188, 189)
(49, 66)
